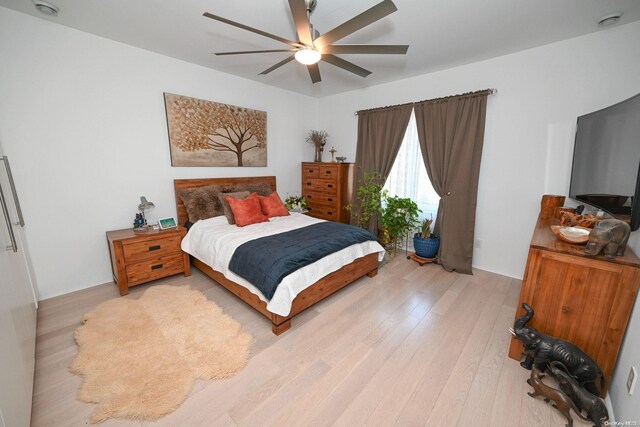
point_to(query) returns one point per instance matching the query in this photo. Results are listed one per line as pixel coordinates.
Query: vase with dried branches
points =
(318, 138)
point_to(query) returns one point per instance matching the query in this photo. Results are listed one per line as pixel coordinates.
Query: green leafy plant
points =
(425, 228)
(369, 196)
(399, 217)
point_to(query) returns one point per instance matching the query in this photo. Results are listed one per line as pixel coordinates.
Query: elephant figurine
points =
(541, 349)
(592, 405)
(611, 235)
(560, 400)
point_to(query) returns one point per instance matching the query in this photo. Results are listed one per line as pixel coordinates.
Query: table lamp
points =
(144, 207)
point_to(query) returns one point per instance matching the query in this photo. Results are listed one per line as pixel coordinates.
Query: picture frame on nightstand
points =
(167, 223)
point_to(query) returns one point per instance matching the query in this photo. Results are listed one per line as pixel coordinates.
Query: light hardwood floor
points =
(412, 346)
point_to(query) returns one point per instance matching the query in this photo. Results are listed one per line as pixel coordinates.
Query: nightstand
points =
(141, 258)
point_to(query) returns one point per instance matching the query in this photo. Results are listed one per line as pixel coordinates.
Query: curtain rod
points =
(490, 91)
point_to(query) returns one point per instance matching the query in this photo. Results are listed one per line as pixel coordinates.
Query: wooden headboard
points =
(179, 184)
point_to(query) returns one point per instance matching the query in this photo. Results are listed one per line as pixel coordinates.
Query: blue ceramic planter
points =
(426, 248)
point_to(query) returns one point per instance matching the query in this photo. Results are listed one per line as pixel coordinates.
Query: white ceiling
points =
(441, 33)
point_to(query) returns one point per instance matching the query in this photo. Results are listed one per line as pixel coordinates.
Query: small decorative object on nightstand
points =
(140, 223)
(141, 258)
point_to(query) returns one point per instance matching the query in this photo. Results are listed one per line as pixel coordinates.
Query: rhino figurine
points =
(611, 235)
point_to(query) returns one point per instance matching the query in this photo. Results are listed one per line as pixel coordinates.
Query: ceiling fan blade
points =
(253, 30)
(255, 51)
(345, 65)
(299, 13)
(367, 17)
(278, 65)
(384, 49)
(314, 72)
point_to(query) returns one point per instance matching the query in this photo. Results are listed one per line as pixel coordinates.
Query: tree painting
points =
(205, 133)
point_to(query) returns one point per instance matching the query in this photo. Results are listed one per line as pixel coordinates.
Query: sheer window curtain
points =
(408, 176)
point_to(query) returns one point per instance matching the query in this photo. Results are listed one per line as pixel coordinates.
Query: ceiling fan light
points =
(308, 56)
(46, 7)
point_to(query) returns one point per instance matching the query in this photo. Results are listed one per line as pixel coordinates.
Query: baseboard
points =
(607, 403)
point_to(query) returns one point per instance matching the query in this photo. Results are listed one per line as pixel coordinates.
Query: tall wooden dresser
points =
(328, 187)
(583, 299)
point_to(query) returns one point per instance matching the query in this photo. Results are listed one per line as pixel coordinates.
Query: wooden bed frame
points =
(333, 282)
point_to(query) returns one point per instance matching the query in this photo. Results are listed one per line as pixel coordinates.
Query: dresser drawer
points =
(319, 185)
(329, 172)
(315, 197)
(151, 248)
(310, 171)
(154, 268)
(323, 212)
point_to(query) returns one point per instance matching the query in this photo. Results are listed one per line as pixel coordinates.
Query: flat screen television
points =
(606, 161)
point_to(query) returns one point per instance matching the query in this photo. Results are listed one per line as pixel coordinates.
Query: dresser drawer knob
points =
(566, 309)
(154, 248)
(156, 267)
(330, 185)
(329, 212)
(329, 199)
(327, 172)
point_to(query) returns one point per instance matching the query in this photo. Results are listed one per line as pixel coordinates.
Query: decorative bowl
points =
(576, 235)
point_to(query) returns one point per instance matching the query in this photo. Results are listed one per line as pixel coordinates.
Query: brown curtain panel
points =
(380, 134)
(451, 134)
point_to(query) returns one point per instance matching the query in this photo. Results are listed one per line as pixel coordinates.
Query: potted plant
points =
(399, 217)
(296, 204)
(425, 243)
(369, 196)
(318, 138)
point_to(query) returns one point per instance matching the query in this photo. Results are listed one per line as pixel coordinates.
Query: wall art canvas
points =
(206, 133)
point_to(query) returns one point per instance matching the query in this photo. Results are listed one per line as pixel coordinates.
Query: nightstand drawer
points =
(154, 269)
(151, 248)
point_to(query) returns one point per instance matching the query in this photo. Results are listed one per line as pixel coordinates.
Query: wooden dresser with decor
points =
(582, 299)
(141, 258)
(328, 187)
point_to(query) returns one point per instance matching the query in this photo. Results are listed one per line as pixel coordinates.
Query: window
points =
(408, 177)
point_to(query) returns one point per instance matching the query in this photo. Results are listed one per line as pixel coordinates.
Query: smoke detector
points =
(610, 20)
(46, 8)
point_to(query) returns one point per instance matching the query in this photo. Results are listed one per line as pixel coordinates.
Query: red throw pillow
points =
(272, 205)
(247, 211)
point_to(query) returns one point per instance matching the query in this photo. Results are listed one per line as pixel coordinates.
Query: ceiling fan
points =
(312, 47)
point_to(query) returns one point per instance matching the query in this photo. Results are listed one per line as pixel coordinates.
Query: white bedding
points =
(213, 241)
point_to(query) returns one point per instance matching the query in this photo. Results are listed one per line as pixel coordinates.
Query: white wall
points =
(82, 119)
(528, 142)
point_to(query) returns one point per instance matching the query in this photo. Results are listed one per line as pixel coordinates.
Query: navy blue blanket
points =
(267, 260)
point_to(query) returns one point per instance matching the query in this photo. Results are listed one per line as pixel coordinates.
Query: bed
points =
(326, 285)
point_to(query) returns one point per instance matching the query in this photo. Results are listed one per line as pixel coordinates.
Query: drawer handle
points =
(329, 199)
(156, 267)
(309, 197)
(327, 172)
(329, 212)
(154, 248)
(330, 185)
(308, 183)
(310, 170)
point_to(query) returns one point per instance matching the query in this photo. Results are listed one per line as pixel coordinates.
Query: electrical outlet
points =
(632, 380)
(477, 243)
